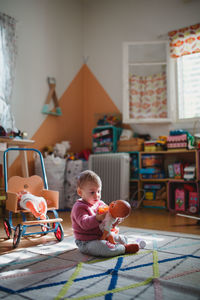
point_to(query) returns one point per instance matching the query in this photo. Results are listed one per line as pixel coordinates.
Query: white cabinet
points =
(145, 82)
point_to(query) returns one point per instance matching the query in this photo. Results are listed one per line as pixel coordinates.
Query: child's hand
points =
(103, 209)
(100, 217)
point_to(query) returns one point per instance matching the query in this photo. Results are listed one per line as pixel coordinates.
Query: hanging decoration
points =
(185, 41)
(56, 111)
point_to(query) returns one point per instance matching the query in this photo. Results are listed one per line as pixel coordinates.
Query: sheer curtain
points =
(8, 53)
(185, 49)
(148, 96)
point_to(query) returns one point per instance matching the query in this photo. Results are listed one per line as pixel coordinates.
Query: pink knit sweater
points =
(84, 222)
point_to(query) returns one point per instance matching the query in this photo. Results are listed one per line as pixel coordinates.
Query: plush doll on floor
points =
(116, 211)
(36, 205)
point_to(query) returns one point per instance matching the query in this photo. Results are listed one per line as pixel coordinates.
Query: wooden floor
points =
(144, 218)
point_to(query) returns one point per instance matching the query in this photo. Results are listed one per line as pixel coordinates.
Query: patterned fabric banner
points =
(148, 96)
(185, 41)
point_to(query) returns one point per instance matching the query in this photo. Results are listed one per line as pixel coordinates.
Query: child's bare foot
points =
(131, 248)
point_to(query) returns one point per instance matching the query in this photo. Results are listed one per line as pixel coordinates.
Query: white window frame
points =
(179, 95)
(125, 108)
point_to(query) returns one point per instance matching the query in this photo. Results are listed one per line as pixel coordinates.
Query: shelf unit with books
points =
(166, 169)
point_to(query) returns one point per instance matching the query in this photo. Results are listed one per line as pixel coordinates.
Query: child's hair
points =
(88, 176)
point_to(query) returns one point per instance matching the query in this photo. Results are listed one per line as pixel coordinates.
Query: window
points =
(145, 82)
(185, 49)
(7, 69)
(188, 73)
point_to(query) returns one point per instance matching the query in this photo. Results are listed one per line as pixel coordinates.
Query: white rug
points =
(168, 268)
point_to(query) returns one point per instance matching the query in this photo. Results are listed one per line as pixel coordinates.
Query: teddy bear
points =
(61, 149)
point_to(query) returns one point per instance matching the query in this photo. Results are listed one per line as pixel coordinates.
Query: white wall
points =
(108, 23)
(53, 36)
(49, 44)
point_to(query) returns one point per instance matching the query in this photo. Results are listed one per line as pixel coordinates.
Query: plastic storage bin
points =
(105, 139)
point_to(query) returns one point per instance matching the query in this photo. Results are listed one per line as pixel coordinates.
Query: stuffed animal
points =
(36, 205)
(61, 149)
(117, 209)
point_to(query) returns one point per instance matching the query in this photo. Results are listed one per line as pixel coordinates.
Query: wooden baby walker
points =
(38, 187)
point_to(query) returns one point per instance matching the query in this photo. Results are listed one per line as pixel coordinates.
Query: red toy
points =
(180, 200)
(116, 210)
(193, 202)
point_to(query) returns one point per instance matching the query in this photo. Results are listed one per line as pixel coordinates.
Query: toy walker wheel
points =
(7, 228)
(17, 235)
(45, 227)
(59, 233)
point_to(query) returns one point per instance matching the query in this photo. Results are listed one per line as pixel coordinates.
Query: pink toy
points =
(180, 200)
(117, 209)
(177, 170)
(193, 202)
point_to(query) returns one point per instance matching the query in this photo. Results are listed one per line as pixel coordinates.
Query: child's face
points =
(90, 192)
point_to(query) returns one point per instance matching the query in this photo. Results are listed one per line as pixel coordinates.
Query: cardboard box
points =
(134, 144)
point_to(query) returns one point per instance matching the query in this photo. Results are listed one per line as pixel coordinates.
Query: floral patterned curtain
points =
(185, 41)
(148, 96)
(8, 53)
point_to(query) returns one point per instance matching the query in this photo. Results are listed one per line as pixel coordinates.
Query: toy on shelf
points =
(150, 146)
(133, 144)
(149, 160)
(101, 133)
(152, 166)
(161, 143)
(109, 119)
(155, 195)
(105, 139)
(193, 202)
(178, 170)
(189, 172)
(171, 171)
(186, 198)
(134, 166)
(181, 170)
(117, 209)
(152, 173)
(155, 191)
(161, 194)
(180, 199)
(177, 140)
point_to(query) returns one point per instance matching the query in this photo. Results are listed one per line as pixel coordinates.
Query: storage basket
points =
(134, 202)
(134, 144)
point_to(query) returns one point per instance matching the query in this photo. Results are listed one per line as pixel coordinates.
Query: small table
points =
(20, 143)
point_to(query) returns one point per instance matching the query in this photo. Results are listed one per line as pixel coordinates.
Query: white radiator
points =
(114, 171)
